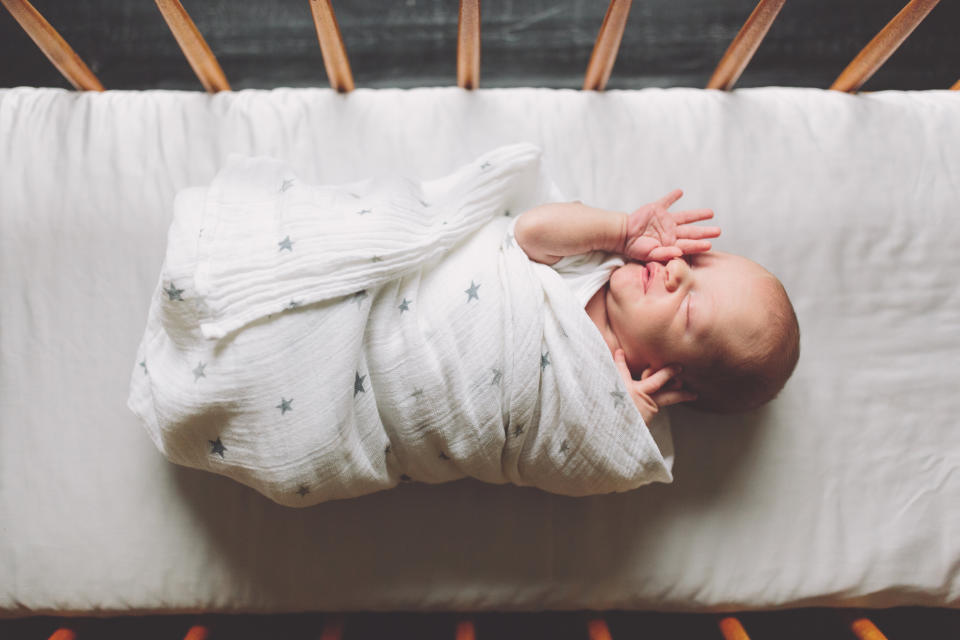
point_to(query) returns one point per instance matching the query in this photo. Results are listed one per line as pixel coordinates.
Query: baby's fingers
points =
(693, 246)
(653, 382)
(691, 215)
(697, 233)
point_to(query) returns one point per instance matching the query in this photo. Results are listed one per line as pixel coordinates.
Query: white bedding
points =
(842, 492)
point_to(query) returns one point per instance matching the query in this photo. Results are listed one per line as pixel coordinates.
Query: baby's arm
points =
(551, 231)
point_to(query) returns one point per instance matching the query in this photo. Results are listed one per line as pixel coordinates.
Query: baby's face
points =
(690, 307)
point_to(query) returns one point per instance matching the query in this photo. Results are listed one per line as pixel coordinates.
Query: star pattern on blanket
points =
(418, 393)
(303, 490)
(510, 237)
(376, 259)
(286, 243)
(198, 371)
(173, 292)
(507, 213)
(485, 166)
(358, 385)
(497, 375)
(386, 450)
(285, 405)
(544, 360)
(294, 304)
(618, 397)
(404, 306)
(405, 478)
(217, 446)
(443, 456)
(286, 184)
(364, 212)
(472, 291)
(426, 204)
(518, 430)
(563, 447)
(143, 363)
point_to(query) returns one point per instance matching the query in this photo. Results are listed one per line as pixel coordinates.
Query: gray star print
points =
(518, 430)
(509, 239)
(303, 490)
(405, 305)
(173, 292)
(286, 243)
(217, 447)
(294, 304)
(563, 447)
(376, 259)
(144, 365)
(426, 204)
(617, 397)
(363, 211)
(386, 450)
(284, 405)
(417, 393)
(497, 374)
(358, 385)
(198, 371)
(443, 456)
(286, 185)
(359, 296)
(507, 213)
(472, 291)
(544, 360)
(485, 165)
(405, 478)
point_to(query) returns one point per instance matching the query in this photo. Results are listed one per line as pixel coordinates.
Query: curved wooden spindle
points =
(468, 45)
(743, 47)
(52, 44)
(63, 634)
(465, 630)
(607, 45)
(883, 45)
(197, 632)
(331, 46)
(194, 47)
(332, 627)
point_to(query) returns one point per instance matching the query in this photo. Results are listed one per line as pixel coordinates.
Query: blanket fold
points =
(325, 342)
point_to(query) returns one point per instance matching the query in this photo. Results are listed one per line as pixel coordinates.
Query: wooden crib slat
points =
(331, 46)
(607, 45)
(866, 630)
(743, 47)
(468, 45)
(52, 44)
(956, 86)
(465, 630)
(731, 629)
(63, 634)
(197, 632)
(194, 47)
(883, 45)
(597, 629)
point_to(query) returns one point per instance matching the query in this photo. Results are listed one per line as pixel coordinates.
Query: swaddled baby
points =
(318, 342)
(709, 328)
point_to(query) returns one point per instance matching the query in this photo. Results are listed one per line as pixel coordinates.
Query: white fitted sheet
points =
(842, 492)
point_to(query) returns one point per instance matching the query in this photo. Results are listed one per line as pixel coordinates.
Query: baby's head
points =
(724, 318)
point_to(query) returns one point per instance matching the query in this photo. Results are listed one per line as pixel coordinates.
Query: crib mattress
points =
(842, 492)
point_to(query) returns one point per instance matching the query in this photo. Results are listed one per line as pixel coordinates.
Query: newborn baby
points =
(709, 328)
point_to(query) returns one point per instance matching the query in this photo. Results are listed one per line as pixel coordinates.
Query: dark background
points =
(540, 43)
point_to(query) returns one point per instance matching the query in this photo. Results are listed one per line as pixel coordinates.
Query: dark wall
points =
(544, 43)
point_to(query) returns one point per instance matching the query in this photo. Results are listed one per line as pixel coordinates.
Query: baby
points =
(712, 329)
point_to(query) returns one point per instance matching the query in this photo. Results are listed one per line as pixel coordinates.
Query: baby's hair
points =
(735, 382)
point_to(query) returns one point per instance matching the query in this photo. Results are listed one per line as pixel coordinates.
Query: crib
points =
(871, 522)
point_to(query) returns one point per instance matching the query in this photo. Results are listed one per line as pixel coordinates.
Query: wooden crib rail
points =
(63, 57)
(728, 627)
(602, 58)
(883, 45)
(194, 47)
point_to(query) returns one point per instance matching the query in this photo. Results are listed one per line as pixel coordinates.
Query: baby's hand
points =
(655, 234)
(650, 392)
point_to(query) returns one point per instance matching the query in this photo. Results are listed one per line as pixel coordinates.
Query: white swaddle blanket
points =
(318, 342)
